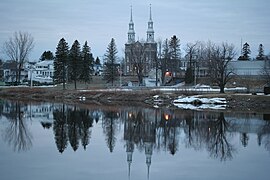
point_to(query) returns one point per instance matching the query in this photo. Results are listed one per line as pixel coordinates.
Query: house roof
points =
(248, 64)
(44, 63)
(10, 65)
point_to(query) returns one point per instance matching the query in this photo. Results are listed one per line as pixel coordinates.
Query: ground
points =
(144, 96)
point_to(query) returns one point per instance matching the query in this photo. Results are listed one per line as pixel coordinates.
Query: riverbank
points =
(132, 97)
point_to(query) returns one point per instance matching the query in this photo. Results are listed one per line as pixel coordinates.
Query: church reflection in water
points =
(147, 129)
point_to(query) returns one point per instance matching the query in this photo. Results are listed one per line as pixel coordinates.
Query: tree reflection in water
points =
(110, 125)
(169, 131)
(145, 129)
(72, 125)
(264, 136)
(17, 134)
(60, 128)
(219, 145)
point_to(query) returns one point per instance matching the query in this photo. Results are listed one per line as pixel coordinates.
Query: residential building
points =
(10, 72)
(41, 72)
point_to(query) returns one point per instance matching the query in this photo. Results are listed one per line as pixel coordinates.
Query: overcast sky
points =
(97, 21)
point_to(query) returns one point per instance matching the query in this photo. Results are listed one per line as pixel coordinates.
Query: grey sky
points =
(98, 21)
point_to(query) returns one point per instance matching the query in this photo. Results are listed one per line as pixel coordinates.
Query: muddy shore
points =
(236, 102)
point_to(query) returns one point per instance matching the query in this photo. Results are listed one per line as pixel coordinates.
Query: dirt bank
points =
(131, 97)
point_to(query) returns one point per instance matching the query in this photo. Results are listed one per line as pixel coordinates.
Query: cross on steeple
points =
(150, 13)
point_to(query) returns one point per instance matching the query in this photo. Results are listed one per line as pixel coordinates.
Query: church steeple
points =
(131, 31)
(150, 30)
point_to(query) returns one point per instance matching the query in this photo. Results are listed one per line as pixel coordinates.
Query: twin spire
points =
(150, 30)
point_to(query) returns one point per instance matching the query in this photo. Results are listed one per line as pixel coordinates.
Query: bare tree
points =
(137, 57)
(219, 70)
(191, 53)
(165, 58)
(18, 48)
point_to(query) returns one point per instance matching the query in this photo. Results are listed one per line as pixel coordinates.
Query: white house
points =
(41, 72)
(10, 72)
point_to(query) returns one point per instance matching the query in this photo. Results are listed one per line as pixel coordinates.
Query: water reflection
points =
(71, 125)
(145, 129)
(17, 134)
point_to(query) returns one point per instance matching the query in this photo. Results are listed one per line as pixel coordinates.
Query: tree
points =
(191, 53)
(174, 45)
(46, 55)
(18, 48)
(97, 62)
(87, 63)
(171, 55)
(110, 69)
(261, 55)
(219, 70)
(165, 66)
(137, 57)
(60, 62)
(75, 62)
(245, 52)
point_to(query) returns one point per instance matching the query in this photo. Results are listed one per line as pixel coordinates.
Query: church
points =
(140, 55)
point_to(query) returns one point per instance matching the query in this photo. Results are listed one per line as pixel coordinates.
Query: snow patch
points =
(196, 102)
(203, 106)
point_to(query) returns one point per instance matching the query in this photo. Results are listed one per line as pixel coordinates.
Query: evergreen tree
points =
(261, 53)
(174, 45)
(110, 69)
(60, 63)
(245, 52)
(175, 54)
(75, 63)
(97, 62)
(87, 63)
(46, 55)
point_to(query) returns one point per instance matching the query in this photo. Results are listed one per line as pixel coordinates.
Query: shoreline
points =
(236, 102)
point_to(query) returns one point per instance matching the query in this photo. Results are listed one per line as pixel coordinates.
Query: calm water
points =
(59, 141)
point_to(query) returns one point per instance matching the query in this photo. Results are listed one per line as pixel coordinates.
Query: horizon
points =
(97, 22)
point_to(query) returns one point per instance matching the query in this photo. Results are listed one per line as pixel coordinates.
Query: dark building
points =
(146, 50)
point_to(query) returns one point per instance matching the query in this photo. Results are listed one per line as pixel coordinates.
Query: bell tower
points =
(131, 31)
(150, 30)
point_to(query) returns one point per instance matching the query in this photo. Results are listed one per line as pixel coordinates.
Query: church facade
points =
(138, 53)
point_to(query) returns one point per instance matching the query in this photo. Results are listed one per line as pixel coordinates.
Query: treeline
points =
(214, 57)
(73, 64)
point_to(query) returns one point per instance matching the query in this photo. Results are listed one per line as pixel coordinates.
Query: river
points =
(64, 141)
